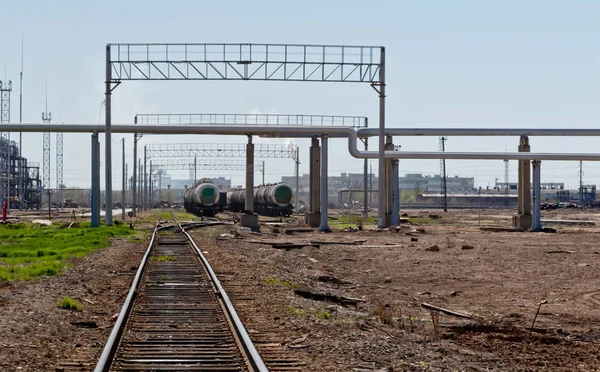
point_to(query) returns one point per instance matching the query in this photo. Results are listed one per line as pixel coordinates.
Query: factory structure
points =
(420, 191)
(20, 184)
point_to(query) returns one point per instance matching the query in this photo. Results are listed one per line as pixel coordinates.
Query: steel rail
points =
(309, 132)
(111, 345)
(253, 356)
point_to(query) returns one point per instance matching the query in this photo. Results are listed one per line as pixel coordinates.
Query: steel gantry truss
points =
(281, 62)
(253, 119)
(210, 165)
(215, 150)
(59, 166)
(46, 118)
(244, 61)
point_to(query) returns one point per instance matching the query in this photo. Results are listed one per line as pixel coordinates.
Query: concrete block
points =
(522, 221)
(250, 221)
(313, 219)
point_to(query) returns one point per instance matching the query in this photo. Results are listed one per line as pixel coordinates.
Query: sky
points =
(461, 63)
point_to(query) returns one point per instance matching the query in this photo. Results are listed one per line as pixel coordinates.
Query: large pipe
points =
(307, 132)
(485, 132)
(293, 130)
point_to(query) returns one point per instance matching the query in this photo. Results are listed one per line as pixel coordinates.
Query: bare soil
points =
(499, 282)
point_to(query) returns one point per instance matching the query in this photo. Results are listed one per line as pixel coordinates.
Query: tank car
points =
(269, 200)
(202, 198)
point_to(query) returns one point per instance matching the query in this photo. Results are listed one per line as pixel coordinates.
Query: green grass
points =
(322, 314)
(274, 281)
(296, 310)
(69, 304)
(28, 251)
(163, 258)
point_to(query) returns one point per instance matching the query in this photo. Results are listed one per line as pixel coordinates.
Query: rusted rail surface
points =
(177, 319)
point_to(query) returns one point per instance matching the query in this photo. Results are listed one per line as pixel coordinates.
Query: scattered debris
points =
(355, 242)
(501, 229)
(328, 297)
(85, 324)
(88, 301)
(295, 231)
(445, 311)
(454, 293)
(388, 280)
(560, 251)
(413, 239)
(433, 248)
(467, 246)
(538, 311)
(290, 246)
(332, 279)
(312, 260)
(42, 222)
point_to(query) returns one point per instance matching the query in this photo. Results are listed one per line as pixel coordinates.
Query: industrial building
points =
(18, 178)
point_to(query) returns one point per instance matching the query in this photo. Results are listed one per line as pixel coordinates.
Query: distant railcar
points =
(269, 200)
(202, 198)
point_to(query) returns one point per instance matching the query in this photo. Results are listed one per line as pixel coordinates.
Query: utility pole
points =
(263, 172)
(21, 167)
(123, 182)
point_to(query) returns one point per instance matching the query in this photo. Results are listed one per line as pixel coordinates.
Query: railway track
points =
(177, 316)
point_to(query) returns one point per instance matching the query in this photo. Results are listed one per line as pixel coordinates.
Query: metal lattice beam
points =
(59, 164)
(192, 164)
(5, 90)
(46, 118)
(253, 119)
(214, 150)
(279, 62)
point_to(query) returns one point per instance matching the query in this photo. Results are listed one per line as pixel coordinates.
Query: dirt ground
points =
(36, 335)
(499, 283)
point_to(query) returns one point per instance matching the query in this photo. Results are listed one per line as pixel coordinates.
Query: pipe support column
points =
(313, 217)
(536, 224)
(389, 182)
(395, 193)
(95, 217)
(523, 218)
(249, 218)
(366, 183)
(324, 226)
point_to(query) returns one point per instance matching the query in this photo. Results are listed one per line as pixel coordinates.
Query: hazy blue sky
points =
(449, 64)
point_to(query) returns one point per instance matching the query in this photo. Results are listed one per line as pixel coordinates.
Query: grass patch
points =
(28, 251)
(163, 258)
(322, 314)
(296, 310)
(274, 281)
(68, 303)
(354, 220)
